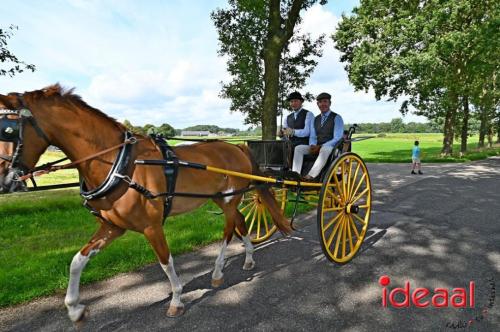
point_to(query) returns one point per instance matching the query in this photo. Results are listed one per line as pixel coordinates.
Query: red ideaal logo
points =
(440, 298)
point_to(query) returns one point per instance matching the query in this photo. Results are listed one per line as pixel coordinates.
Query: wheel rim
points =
(258, 220)
(344, 208)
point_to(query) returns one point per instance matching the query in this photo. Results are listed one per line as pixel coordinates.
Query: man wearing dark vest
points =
(297, 124)
(327, 130)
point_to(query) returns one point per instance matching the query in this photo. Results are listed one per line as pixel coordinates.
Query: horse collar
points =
(115, 175)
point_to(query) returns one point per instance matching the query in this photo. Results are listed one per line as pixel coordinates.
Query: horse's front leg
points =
(101, 238)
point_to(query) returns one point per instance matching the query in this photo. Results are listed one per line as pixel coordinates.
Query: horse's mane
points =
(56, 90)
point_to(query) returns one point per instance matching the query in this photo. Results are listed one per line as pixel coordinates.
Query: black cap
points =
(295, 95)
(324, 95)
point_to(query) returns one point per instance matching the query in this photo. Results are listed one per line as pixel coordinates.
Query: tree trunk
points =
(490, 135)
(498, 130)
(482, 127)
(465, 125)
(279, 33)
(270, 100)
(448, 131)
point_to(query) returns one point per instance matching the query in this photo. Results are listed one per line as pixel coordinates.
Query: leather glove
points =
(315, 149)
(288, 131)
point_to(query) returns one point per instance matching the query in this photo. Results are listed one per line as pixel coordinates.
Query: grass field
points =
(41, 231)
(391, 148)
(397, 148)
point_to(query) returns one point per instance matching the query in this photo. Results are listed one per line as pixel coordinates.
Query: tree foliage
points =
(13, 64)
(267, 56)
(436, 54)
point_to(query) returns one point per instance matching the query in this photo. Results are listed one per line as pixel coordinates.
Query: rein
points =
(51, 167)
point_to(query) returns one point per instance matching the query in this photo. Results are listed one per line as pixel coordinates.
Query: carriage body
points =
(341, 195)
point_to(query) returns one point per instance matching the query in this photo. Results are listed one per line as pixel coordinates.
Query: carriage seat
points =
(309, 160)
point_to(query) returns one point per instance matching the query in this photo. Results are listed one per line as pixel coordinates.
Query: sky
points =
(156, 61)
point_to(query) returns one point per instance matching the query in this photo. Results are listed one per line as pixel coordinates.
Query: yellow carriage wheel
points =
(259, 222)
(344, 208)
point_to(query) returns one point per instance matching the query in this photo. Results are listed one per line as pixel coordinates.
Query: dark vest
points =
(298, 123)
(325, 133)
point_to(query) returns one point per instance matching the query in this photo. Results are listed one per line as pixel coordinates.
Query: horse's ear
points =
(52, 90)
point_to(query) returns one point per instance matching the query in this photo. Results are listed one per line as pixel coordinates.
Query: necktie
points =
(323, 119)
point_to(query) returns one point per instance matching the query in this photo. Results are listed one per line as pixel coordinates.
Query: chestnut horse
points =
(65, 121)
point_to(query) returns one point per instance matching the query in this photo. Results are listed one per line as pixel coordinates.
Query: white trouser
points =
(298, 159)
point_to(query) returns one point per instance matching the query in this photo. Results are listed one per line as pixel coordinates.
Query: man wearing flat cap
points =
(297, 125)
(326, 131)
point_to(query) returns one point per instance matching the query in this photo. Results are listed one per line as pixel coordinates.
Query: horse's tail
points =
(267, 197)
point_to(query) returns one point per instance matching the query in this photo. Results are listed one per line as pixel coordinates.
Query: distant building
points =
(194, 133)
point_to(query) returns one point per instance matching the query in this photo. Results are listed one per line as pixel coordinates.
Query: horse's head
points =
(22, 140)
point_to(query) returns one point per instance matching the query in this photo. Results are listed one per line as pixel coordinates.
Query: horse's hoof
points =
(217, 282)
(249, 266)
(77, 313)
(174, 311)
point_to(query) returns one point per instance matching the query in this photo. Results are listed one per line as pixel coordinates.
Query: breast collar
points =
(115, 175)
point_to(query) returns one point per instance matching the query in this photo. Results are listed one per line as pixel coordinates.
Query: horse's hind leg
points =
(157, 240)
(233, 218)
(104, 235)
(242, 228)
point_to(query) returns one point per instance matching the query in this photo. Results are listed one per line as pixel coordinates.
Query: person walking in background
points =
(415, 159)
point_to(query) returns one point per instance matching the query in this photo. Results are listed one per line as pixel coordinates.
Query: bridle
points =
(12, 130)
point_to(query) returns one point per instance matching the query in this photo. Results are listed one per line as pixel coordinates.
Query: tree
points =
(16, 66)
(256, 36)
(428, 51)
(166, 130)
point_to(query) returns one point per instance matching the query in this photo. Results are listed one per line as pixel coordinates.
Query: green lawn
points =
(391, 148)
(397, 148)
(41, 231)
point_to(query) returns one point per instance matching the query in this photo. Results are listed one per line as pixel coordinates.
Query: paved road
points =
(440, 229)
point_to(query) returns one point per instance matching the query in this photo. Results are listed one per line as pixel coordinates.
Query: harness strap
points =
(171, 169)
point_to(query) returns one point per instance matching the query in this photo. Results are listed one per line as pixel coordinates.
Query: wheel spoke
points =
(250, 212)
(359, 185)
(343, 236)
(246, 206)
(349, 234)
(339, 187)
(330, 239)
(333, 209)
(343, 180)
(349, 179)
(253, 220)
(353, 224)
(332, 222)
(338, 240)
(360, 195)
(265, 221)
(329, 192)
(361, 220)
(354, 179)
(258, 222)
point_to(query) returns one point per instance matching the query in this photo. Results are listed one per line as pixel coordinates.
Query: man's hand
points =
(288, 132)
(315, 149)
